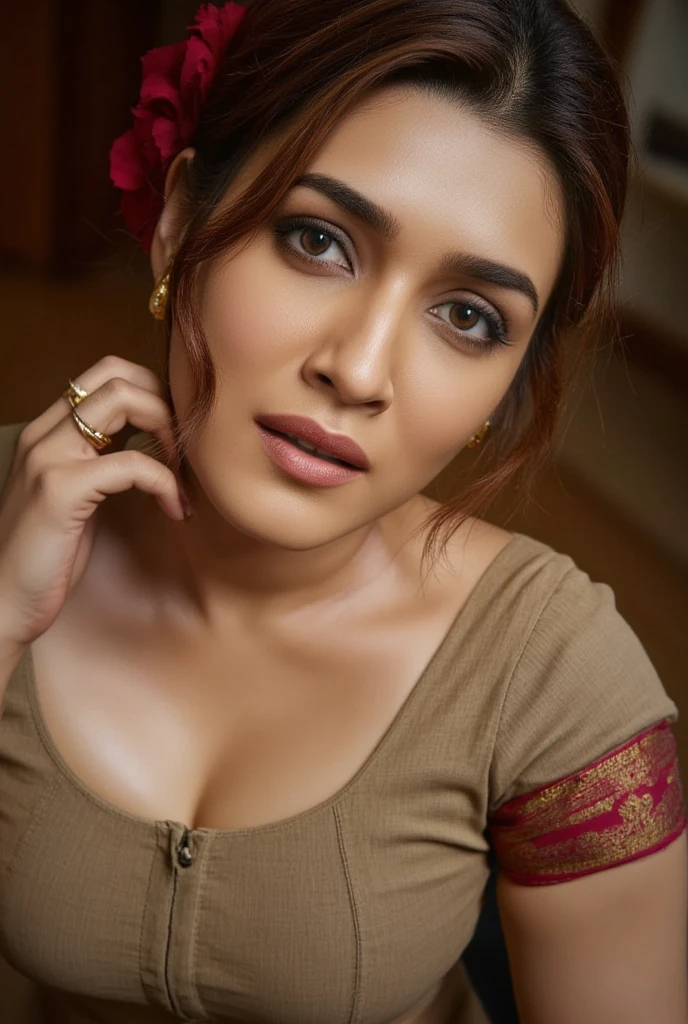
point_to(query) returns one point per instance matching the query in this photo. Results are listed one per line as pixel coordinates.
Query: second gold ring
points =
(94, 437)
(75, 394)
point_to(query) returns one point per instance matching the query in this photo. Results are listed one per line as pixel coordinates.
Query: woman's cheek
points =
(446, 407)
(252, 317)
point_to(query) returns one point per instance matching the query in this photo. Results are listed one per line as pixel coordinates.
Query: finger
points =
(73, 491)
(91, 379)
(108, 409)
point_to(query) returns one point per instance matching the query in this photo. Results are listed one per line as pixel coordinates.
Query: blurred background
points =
(73, 287)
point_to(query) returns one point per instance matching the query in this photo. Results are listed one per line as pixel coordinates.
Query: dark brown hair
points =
(531, 68)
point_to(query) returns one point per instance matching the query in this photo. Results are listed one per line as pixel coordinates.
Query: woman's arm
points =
(605, 948)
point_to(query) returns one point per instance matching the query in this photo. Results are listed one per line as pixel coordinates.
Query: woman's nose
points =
(356, 354)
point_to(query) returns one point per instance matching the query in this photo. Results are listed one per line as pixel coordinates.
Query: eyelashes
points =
(291, 224)
(496, 328)
(496, 325)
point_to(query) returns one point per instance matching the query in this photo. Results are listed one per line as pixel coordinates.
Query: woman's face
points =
(403, 334)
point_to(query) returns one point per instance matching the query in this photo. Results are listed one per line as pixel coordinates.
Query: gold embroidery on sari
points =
(626, 804)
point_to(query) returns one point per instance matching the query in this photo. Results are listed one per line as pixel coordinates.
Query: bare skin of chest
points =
(240, 734)
(245, 725)
(245, 728)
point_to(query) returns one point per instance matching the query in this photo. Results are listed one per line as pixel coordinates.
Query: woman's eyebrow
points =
(495, 273)
(386, 225)
(349, 199)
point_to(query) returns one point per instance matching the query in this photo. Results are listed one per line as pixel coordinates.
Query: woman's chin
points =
(266, 512)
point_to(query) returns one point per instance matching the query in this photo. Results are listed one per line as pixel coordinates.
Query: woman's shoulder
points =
(563, 673)
(543, 585)
(583, 746)
(523, 574)
(9, 438)
(9, 435)
(527, 592)
(581, 681)
(573, 636)
(565, 606)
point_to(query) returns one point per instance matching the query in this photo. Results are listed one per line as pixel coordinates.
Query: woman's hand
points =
(58, 480)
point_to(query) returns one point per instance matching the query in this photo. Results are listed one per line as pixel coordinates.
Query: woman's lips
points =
(309, 469)
(338, 445)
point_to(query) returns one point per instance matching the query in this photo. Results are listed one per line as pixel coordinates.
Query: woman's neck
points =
(209, 566)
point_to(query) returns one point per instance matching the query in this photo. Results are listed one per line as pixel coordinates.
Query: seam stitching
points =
(517, 663)
(35, 819)
(147, 910)
(354, 912)
(196, 925)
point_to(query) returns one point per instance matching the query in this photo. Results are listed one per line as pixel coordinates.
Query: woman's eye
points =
(470, 320)
(480, 325)
(312, 243)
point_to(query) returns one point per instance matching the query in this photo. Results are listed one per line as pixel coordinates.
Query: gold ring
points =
(74, 394)
(94, 437)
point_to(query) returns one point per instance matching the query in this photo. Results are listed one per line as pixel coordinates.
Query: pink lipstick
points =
(308, 452)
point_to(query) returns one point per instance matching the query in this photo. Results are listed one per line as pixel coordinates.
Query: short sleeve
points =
(584, 773)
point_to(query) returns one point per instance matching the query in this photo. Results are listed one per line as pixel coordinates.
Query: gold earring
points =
(157, 303)
(477, 438)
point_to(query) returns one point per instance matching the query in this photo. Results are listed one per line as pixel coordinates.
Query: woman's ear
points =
(173, 217)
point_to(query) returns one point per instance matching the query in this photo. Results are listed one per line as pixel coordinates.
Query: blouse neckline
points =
(27, 666)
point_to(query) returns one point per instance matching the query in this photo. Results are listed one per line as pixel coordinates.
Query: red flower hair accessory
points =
(174, 86)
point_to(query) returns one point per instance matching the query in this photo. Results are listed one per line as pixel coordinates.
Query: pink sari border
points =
(625, 805)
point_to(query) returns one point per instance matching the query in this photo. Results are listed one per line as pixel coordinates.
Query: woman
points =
(260, 735)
